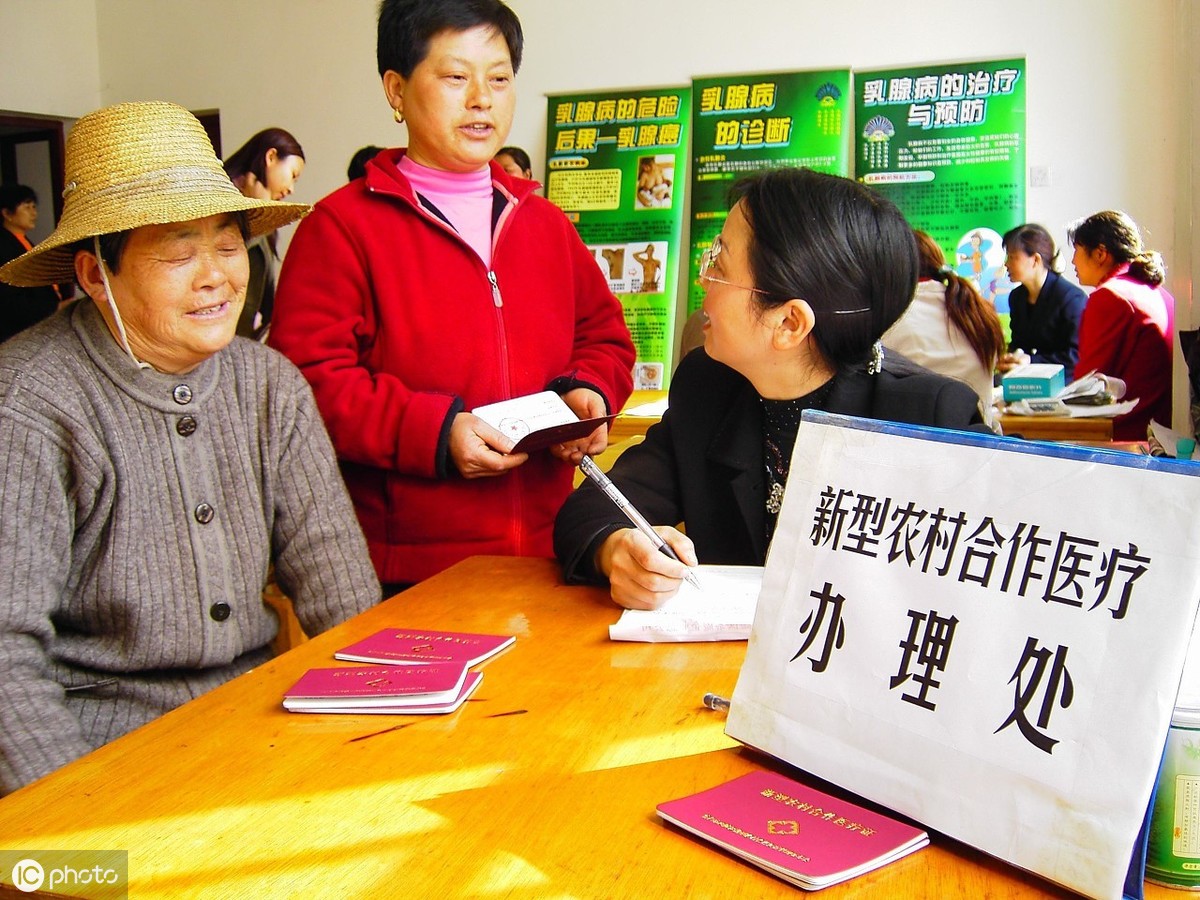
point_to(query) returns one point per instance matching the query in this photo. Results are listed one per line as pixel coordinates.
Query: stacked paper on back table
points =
(379, 689)
(414, 645)
(797, 833)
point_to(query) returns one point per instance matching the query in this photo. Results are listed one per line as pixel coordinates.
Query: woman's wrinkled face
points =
(459, 100)
(180, 290)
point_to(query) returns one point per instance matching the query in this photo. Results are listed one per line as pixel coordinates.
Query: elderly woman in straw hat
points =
(154, 466)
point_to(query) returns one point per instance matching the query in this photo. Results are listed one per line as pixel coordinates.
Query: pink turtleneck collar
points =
(464, 198)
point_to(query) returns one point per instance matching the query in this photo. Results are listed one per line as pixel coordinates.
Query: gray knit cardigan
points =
(141, 513)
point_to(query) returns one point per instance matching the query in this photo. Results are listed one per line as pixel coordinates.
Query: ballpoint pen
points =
(592, 471)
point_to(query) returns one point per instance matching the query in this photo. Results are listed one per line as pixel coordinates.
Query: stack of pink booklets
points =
(417, 672)
(793, 831)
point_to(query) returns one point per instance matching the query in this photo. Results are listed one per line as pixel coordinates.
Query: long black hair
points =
(836, 244)
(251, 157)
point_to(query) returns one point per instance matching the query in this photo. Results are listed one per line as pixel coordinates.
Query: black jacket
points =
(703, 464)
(1049, 330)
(21, 307)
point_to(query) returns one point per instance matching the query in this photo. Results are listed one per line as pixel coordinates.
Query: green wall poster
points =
(746, 122)
(946, 143)
(612, 160)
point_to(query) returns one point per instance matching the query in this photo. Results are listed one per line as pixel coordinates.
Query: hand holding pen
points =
(636, 584)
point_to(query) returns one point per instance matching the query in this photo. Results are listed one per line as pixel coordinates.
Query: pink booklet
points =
(795, 832)
(412, 645)
(370, 686)
(416, 709)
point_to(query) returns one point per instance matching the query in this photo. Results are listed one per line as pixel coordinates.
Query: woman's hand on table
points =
(640, 576)
(480, 451)
(586, 404)
(1012, 360)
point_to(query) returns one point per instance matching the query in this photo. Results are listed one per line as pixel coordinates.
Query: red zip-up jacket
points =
(398, 326)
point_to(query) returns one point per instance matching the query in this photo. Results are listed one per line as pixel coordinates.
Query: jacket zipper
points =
(518, 529)
(518, 476)
(515, 477)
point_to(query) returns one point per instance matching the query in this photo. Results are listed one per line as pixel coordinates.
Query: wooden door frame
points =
(30, 129)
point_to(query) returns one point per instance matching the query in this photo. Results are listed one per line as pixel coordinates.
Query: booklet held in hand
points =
(536, 421)
(406, 646)
(797, 833)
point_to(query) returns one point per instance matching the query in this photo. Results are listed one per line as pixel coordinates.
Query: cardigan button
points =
(186, 426)
(204, 513)
(182, 394)
(220, 611)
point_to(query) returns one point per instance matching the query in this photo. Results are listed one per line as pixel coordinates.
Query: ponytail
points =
(1147, 267)
(1117, 233)
(969, 312)
(975, 318)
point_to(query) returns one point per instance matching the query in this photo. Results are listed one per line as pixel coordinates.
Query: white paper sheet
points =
(1066, 410)
(1169, 439)
(722, 610)
(653, 409)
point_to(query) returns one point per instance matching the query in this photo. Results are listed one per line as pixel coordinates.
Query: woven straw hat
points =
(134, 164)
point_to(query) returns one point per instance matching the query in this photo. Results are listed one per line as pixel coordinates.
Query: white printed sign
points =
(981, 633)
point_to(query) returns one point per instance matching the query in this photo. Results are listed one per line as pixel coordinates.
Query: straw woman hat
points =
(135, 164)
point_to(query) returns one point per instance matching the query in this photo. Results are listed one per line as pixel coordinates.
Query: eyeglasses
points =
(709, 257)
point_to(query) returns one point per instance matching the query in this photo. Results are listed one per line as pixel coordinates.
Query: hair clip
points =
(875, 366)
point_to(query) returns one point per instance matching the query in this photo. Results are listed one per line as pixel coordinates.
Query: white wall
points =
(50, 62)
(1109, 83)
(1102, 87)
(34, 169)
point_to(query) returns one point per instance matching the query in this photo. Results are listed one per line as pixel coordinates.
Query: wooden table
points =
(625, 426)
(543, 785)
(1059, 428)
(1034, 428)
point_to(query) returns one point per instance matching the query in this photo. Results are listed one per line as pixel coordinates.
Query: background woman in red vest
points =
(1128, 322)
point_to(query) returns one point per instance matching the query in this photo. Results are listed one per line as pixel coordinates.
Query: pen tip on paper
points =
(691, 579)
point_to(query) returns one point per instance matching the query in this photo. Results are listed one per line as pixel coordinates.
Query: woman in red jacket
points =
(437, 284)
(1127, 325)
